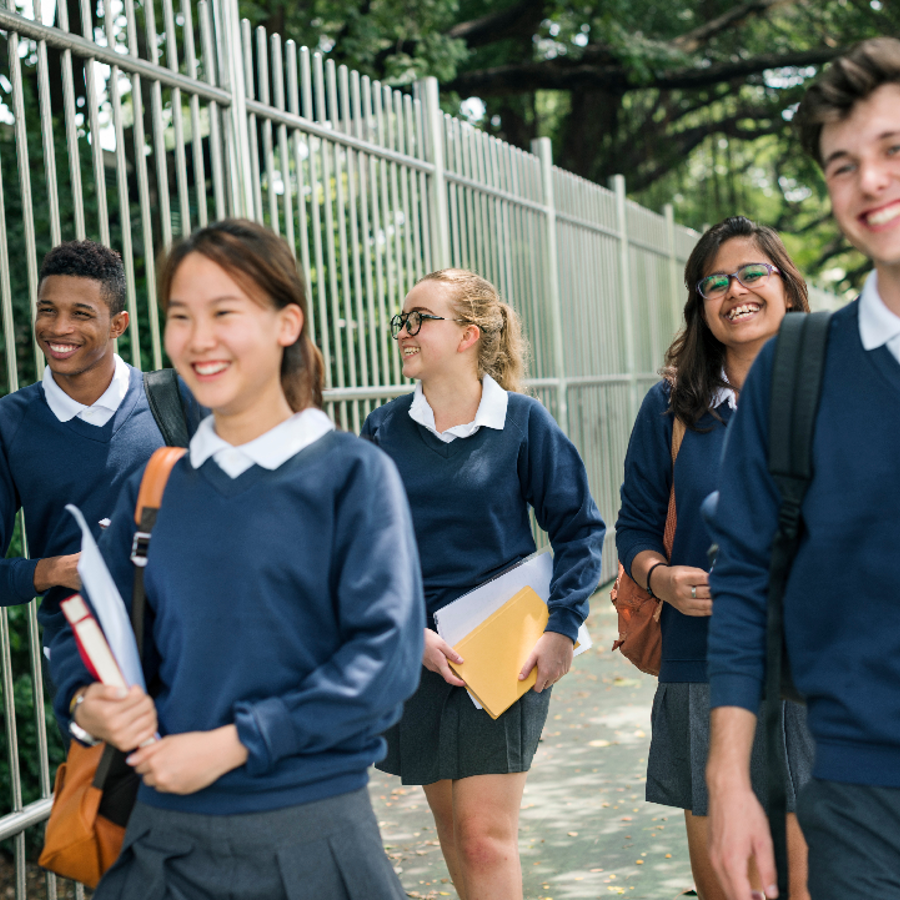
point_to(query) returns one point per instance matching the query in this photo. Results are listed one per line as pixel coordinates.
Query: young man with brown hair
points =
(842, 601)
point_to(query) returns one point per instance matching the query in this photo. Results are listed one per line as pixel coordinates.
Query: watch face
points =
(81, 735)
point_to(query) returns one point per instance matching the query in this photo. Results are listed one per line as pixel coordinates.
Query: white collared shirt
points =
(98, 413)
(269, 450)
(877, 324)
(491, 412)
(724, 394)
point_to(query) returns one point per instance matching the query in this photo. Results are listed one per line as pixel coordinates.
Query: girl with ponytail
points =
(285, 614)
(475, 454)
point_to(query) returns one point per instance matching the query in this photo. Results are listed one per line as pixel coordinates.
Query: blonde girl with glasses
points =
(741, 283)
(475, 454)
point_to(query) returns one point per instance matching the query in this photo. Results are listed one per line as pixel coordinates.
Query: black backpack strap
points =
(165, 401)
(797, 371)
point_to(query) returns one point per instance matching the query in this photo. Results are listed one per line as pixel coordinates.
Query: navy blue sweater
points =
(45, 464)
(645, 503)
(287, 602)
(842, 604)
(470, 500)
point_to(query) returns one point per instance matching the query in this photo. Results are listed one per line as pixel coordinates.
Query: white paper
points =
(463, 615)
(107, 603)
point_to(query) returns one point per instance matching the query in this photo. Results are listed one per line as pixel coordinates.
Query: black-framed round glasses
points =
(413, 322)
(752, 275)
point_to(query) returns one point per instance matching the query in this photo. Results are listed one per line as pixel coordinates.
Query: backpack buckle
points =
(139, 547)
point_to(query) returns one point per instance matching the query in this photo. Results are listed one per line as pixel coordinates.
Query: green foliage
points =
(690, 101)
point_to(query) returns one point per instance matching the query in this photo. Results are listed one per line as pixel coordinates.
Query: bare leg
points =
(798, 863)
(705, 880)
(440, 798)
(486, 821)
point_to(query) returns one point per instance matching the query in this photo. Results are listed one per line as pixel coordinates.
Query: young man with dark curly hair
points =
(76, 435)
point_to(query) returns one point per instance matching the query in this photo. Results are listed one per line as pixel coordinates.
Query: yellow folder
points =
(496, 650)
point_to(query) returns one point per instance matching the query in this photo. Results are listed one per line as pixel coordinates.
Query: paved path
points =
(586, 831)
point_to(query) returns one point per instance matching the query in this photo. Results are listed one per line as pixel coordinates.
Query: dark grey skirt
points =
(326, 849)
(442, 735)
(679, 747)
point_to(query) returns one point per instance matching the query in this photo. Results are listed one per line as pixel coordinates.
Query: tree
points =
(690, 101)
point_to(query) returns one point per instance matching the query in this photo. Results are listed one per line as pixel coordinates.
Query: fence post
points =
(438, 216)
(675, 286)
(237, 140)
(543, 150)
(617, 184)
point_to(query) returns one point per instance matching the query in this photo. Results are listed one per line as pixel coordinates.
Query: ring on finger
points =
(694, 592)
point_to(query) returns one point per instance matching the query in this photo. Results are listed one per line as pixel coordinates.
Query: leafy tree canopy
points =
(690, 100)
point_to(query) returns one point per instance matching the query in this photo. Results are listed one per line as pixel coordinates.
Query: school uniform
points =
(470, 490)
(679, 744)
(55, 450)
(283, 599)
(841, 609)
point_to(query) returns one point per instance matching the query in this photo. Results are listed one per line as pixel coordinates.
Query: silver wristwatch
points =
(77, 731)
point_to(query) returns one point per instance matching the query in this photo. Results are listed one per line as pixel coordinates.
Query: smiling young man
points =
(842, 603)
(76, 435)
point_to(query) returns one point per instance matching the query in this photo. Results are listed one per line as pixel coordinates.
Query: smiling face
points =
(74, 328)
(861, 161)
(435, 349)
(744, 318)
(228, 345)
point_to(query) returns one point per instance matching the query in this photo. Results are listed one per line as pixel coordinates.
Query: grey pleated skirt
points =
(442, 735)
(326, 850)
(679, 747)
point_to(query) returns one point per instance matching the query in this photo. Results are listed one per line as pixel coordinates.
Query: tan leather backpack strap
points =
(154, 481)
(150, 494)
(678, 430)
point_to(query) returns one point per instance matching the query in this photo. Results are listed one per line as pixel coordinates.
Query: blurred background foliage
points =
(690, 100)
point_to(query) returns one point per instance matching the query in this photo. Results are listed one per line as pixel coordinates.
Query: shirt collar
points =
(724, 394)
(491, 411)
(877, 324)
(65, 407)
(270, 450)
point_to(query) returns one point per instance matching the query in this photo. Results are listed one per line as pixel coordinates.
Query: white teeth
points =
(410, 351)
(883, 216)
(210, 368)
(62, 348)
(741, 312)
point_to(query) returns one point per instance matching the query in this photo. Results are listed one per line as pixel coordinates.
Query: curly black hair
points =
(88, 259)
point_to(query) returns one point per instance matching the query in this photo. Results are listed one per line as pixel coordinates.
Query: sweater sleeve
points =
(16, 573)
(555, 483)
(66, 667)
(359, 691)
(648, 480)
(743, 525)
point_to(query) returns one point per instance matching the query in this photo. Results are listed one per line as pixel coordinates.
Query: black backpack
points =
(797, 372)
(164, 399)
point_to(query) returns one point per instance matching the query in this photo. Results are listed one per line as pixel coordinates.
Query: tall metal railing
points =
(132, 123)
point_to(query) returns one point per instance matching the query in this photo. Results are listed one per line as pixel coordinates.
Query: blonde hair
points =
(502, 348)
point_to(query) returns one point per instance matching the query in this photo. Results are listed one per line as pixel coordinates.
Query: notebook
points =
(495, 651)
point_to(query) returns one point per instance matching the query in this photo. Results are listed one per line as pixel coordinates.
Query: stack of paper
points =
(496, 650)
(472, 616)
